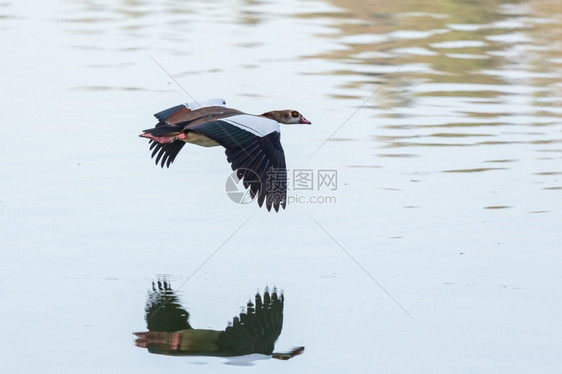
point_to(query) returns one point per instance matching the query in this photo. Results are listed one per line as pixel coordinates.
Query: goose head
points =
(287, 117)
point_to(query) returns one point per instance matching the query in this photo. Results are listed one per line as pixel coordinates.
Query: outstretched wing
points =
(163, 309)
(253, 148)
(256, 330)
(173, 115)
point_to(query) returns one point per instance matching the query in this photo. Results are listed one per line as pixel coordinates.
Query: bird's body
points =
(252, 142)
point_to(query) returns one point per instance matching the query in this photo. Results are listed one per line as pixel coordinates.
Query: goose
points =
(254, 331)
(252, 143)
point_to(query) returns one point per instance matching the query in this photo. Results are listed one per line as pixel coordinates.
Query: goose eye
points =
(294, 114)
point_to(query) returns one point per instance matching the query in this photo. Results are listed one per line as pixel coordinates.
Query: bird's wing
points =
(253, 148)
(256, 330)
(163, 309)
(171, 115)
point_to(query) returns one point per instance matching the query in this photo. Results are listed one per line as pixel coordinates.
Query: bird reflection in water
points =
(254, 331)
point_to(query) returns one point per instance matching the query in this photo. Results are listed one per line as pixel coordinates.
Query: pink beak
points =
(305, 121)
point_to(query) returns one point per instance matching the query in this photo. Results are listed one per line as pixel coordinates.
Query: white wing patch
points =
(259, 126)
(202, 104)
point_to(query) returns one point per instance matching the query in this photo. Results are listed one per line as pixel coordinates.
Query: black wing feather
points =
(166, 152)
(264, 156)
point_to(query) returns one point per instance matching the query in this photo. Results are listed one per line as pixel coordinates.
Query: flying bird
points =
(252, 143)
(254, 331)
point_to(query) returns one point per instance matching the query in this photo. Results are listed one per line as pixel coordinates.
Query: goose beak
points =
(304, 121)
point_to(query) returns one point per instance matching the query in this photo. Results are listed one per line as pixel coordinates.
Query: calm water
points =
(437, 251)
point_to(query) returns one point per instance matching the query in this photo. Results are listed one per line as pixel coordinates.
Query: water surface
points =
(442, 119)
